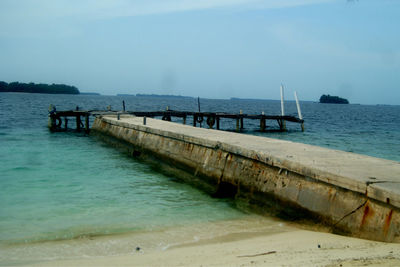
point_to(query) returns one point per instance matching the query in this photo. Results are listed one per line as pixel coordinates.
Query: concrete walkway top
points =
(378, 178)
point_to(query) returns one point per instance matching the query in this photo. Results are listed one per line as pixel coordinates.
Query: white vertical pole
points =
(283, 108)
(282, 103)
(299, 110)
(298, 106)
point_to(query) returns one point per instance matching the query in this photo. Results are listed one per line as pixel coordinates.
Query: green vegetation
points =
(38, 88)
(333, 100)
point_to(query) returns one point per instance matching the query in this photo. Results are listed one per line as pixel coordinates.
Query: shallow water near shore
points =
(84, 198)
(142, 242)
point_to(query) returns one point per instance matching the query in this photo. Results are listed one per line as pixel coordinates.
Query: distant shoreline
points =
(155, 95)
(17, 87)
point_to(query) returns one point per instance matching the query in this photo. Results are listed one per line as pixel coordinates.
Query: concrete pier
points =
(355, 194)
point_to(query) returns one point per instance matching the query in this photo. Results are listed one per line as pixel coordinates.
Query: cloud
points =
(42, 9)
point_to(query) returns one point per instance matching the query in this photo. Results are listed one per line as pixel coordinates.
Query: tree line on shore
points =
(37, 88)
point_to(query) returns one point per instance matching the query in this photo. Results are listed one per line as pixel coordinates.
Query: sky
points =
(207, 48)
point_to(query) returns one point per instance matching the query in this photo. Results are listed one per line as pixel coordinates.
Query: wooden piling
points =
(282, 126)
(241, 119)
(78, 122)
(55, 118)
(262, 124)
(87, 127)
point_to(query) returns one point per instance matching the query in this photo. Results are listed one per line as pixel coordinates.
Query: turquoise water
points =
(64, 186)
(69, 186)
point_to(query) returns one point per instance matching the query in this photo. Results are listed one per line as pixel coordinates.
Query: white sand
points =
(291, 248)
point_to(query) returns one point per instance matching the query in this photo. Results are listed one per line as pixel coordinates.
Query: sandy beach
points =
(290, 247)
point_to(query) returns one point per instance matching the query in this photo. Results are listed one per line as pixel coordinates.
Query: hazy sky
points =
(207, 48)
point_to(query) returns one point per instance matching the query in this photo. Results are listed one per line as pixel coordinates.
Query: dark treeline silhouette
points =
(38, 88)
(332, 100)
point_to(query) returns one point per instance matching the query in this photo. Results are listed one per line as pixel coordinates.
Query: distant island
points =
(333, 100)
(89, 93)
(41, 88)
(251, 99)
(163, 96)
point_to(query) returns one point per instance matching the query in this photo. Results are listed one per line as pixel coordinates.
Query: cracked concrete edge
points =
(374, 189)
(385, 192)
(269, 159)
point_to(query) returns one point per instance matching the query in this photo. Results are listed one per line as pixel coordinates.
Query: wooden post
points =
(281, 125)
(217, 118)
(78, 123)
(241, 119)
(194, 120)
(282, 102)
(87, 128)
(184, 119)
(66, 123)
(198, 104)
(262, 124)
(237, 124)
(51, 122)
(123, 105)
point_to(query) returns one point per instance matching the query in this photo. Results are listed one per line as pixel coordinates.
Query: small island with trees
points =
(41, 88)
(333, 100)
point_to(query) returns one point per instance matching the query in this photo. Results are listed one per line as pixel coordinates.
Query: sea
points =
(68, 195)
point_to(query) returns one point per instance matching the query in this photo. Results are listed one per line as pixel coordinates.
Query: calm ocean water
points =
(67, 186)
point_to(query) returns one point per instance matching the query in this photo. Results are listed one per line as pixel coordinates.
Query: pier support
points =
(211, 118)
(87, 127)
(355, 194)
(262, 124)
(194, 120)
(241, 119)
(78, 123)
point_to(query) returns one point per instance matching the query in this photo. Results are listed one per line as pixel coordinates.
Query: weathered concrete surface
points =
(354, 193)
